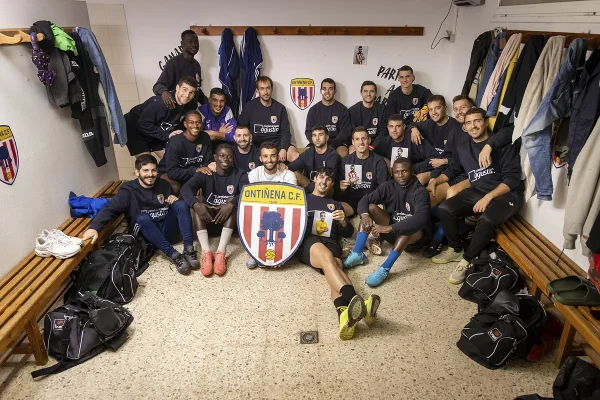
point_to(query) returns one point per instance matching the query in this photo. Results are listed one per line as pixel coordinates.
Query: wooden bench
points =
(543, 262)
(31, 288)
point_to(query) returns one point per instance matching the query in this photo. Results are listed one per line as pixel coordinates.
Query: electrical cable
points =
(440, 28)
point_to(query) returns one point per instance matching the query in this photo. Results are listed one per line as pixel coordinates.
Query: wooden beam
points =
(314, 30)
(593, 38)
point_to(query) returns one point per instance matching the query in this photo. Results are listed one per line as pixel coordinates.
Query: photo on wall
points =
(322, 223)
(360, 55)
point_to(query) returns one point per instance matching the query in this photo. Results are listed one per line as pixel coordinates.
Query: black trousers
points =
(498, 211)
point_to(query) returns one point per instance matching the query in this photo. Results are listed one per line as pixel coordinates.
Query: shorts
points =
(138, 143)
(411, 248)
(303, 251)
(458, 179)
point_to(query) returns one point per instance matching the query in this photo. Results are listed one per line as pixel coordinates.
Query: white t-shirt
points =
(258, 174)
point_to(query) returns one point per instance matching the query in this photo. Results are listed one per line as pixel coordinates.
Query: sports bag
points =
(504, 331)
(74, 333)
(485, 278)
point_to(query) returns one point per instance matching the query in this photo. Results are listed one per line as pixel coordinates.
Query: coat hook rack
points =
(569, 36)
(20, 35)
(309, 30)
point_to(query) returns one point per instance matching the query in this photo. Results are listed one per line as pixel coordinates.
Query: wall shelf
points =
(20, 35)
(314, 30)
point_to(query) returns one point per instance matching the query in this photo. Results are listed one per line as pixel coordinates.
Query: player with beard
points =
(320, 154)
(186, 153)
(217, 118)
(408, 99)
(246, 156)
(369, 113)
(496, 194)
(269, 172)
(179, 66)
(216, 206)
(324, 254)
(402, 222)
(153, 212)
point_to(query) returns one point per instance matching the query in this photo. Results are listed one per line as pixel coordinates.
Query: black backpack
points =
(505, 330)
(74, 333)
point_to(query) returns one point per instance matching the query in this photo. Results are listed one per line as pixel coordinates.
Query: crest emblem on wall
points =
(302, 91)
(9, 156)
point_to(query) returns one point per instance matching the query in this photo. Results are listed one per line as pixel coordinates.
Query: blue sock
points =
(390, 260)
(438, 236)
(361, 240)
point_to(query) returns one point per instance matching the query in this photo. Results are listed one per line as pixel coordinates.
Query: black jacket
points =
(479, 52)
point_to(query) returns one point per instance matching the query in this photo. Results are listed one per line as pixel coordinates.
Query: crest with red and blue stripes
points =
(302, 91)
(9, 156)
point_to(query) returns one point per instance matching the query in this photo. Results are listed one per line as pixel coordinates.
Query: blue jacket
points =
(492, 59)
(82, 206)
(230, 69)
(251, 65)
(116, 114)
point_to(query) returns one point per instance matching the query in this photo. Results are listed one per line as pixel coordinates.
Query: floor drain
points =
(309, 337)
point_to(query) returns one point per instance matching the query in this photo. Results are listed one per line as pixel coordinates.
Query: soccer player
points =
(323, 252)
(218, 118)
(496, 194)
(402, 222)
(408, 99)
(333, 115)
(246, 156)
(179, 66)
(152, 212)
(152, 123)
(186, 153)
(267, 118)
(216, 206)
(369, 113)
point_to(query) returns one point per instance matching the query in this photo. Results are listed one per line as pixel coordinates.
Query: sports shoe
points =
(181, 263)
(458, 275)
(371, 304)
(192, 258)
(447, 256)
(350, 316)
(251, 263)
(220, 263)
(355, 259)
(46, 246)
(61, 235)
(377, 277)
(206, 263)
(433, 249)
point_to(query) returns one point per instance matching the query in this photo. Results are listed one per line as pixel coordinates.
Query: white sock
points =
(225, 236)
(203, 239)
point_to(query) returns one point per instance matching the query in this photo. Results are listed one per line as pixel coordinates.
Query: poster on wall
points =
(9, 157)
(302, 91)
(360, 55)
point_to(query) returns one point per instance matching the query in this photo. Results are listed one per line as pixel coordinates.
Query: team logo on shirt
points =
(273, 119)
(198, 148)
(334, 119)
(407, 206)
(9, 156)
(302, 91)
(161, 198)
(230, 189)
(375, 121)
(369, 175)
(251, 165)
(415, 101)
(331, 206)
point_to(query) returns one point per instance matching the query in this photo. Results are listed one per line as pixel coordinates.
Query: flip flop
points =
(567, 283)
(583, 295)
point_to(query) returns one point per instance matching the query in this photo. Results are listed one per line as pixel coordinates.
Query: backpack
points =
(74, 333)
(503, 331)
(485, 278)
(111, 272)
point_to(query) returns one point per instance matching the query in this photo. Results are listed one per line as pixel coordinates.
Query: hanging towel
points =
(507, 54)
(230, 69)
(251, 65)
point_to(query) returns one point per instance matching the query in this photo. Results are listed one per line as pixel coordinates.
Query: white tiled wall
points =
(110, 27)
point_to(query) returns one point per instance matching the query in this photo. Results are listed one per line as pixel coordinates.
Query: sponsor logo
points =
(161, 198)
(407, 206)
(495, 273)
(198, 148)
(230, 189)
(400, 216)
(58, 324)
(375, 121)
(273, 119)
(86, 135)
(266, 128)
(495, 334)
(302, 92)
(480, 173)
(415, 101)
(167, 127)
(331, 206)
(251, 165)
(510, 203)
(369, 175)
(158, 213)
(334, 119)
(187, 161)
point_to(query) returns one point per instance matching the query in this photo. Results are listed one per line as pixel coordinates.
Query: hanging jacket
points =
(586, 108)
(494, 82)
(493, 108)
(478, 56)
(251, 65)
(82, 206)
(62, 40)
(90, 44)
(229, 64)
(492, 58)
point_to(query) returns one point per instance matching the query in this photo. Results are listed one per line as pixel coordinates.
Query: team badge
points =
(161, 198)
(369, 175)
(198, 148)
(495, 334)
(9, 156)
(273, 119)
(415, 101)
(230, 189)
(331, 206)
(445, 141)
(324, 163)
(302, 91)
(251, 165)
(272, 221)
(407, 206)
(334, 119)
(375, 121)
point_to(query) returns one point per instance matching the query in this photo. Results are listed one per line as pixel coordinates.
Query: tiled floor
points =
(237, 336)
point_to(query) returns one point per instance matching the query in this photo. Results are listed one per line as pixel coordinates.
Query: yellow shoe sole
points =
(356, 311)
(371, 314)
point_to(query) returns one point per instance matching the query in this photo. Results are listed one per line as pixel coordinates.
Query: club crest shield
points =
(161, 198)
(251, 165)
(272, 221)
(415, 101)
(9, 156)
(273, 119)
(375, 121)
(334, 119)
(198, 148)
(331, 206)
(407, 206)
(230, 189)
(302, 91)
(369, 175)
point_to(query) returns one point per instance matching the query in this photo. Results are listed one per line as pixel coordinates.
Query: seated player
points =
(369, 113)
(402, 222)
(152, 123)
(361, 172)
(218, 119)
(186, 153)
(409, 100)
(153, 212)
(333, 115)
(397, 144)
(268, 172)
(216, 206)
(314, 157)
(267, 118)
(246, 156)
(496, 194)
(321, 250)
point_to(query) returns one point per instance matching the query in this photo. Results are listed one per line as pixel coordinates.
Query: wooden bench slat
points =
(585, 311)
(583, 327)
(20, 281)
(104, 188)
(112, 190)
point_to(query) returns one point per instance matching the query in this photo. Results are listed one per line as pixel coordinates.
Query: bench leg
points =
(36, 342)
(565, 345)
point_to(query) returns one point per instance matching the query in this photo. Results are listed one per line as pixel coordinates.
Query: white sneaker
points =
(458, 275)
(50, 246)
(60, 235)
